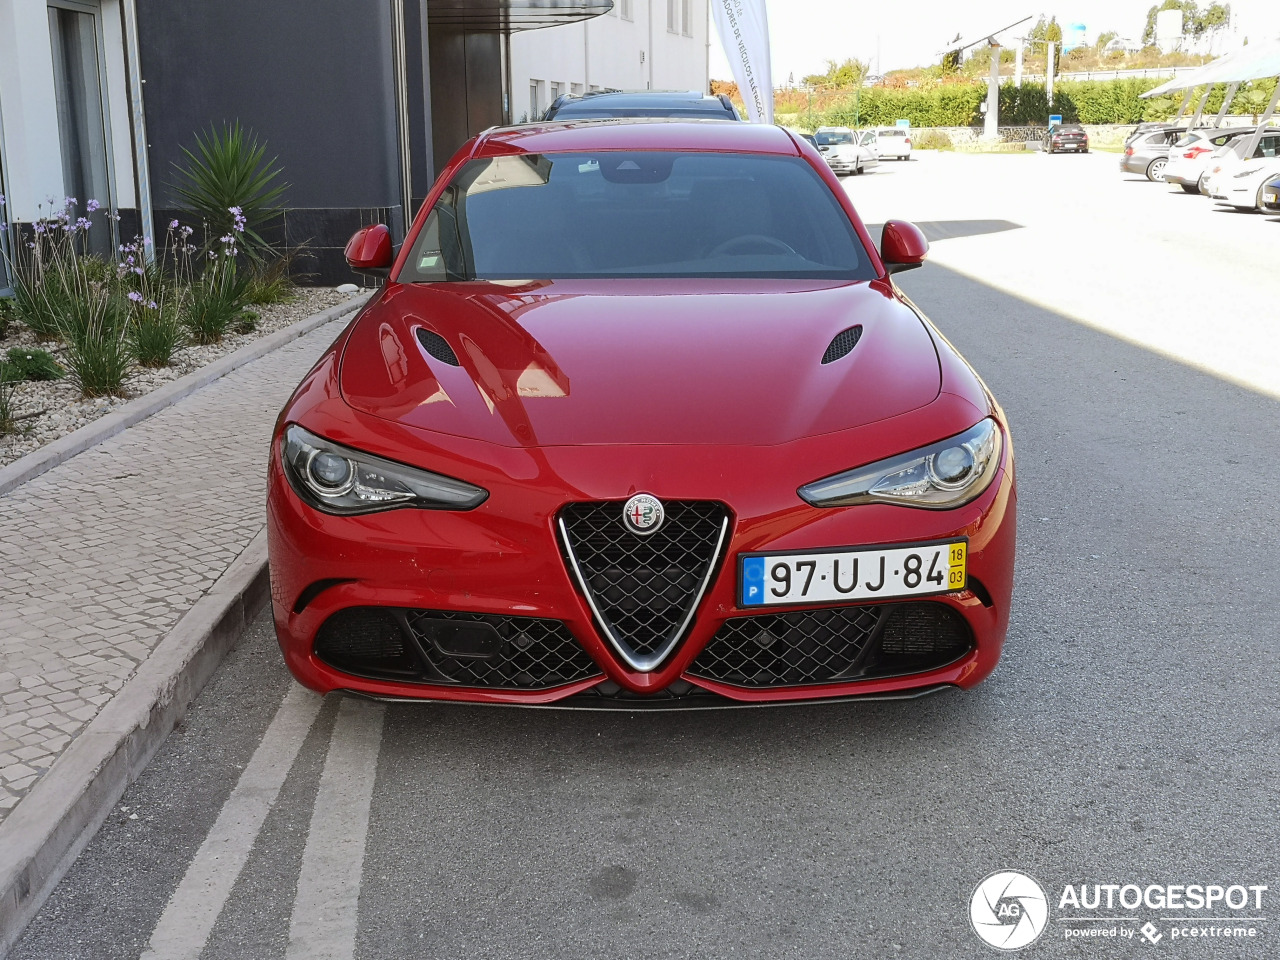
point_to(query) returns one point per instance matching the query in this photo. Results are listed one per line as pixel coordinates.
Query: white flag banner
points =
(743, 26)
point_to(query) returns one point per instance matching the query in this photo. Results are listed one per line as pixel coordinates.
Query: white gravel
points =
(52, 409)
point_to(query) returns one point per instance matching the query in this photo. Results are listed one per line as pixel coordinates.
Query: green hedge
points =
(957, 105)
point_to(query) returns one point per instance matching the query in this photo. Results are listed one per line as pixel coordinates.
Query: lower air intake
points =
(833, 645)
(448, 647)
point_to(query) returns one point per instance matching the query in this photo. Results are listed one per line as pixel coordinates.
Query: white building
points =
(638, 45)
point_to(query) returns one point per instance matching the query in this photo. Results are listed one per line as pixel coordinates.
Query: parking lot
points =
(1129, 736)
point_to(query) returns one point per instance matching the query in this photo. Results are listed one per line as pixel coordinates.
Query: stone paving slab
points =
(103, 554)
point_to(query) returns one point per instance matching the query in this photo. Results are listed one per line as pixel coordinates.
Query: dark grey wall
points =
(313, 79)
(466, 87)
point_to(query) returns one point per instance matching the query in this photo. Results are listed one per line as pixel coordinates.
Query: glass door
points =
(76, 39)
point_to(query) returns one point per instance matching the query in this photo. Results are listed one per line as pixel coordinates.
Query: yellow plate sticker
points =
(957, 554)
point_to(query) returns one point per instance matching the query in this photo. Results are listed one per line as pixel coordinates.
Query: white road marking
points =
(323, 926)
(196, 903)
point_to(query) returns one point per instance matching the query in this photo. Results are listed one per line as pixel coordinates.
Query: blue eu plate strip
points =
(752, 581)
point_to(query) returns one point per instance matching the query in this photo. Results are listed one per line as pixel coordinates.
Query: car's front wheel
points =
(1155, 169)
(1190, 187)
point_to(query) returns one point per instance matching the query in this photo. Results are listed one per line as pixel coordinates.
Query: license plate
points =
(1269, 198)
(852, 573)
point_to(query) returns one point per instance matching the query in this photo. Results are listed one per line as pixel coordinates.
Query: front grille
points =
(448, 647)
(833, 645)
(644, 589)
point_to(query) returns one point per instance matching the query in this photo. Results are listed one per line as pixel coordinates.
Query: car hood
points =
(637, 361)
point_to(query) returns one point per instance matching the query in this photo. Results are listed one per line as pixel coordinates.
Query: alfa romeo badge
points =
(643, 514)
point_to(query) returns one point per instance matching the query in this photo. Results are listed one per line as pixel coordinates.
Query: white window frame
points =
(673, 16)
(625, 9)
(686, 18)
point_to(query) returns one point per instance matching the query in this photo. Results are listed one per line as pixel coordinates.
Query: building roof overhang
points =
(497, 16)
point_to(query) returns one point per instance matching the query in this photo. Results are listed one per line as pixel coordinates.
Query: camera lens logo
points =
(1008, 910)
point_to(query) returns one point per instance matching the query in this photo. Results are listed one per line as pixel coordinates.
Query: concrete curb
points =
(49, 827)
(91, 434)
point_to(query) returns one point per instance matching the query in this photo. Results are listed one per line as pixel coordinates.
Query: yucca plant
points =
(229, 169)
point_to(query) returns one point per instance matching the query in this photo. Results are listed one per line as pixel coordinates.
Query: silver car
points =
(1149, 152)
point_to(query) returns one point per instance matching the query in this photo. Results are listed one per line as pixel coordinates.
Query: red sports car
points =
(640, 419)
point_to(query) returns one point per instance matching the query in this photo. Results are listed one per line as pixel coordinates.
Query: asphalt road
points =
(1129, 736)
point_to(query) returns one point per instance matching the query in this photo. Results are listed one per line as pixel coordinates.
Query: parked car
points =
(810, 139)
(1271, 196)
(641, 103)
(1223, 168)
(1190, 157)
(463, 498)
(867, 138)
(1149, 152)
(1143, 128)
(893, 142)
(1069, 138)
(844, 151)
(1245, 188)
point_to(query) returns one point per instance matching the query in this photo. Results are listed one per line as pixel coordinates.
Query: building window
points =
(535, 101)
(673, 16)
(575, 89)
(555, 93)
(686, 17)
(626, 10)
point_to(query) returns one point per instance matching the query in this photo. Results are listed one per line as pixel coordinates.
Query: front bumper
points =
(504, 560)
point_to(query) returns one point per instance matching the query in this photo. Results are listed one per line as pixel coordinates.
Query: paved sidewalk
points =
(102, 555)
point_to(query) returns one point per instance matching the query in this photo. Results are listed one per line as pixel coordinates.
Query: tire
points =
(1258, 201)
(1155, 169)
(1202, 185)
(1190, 187)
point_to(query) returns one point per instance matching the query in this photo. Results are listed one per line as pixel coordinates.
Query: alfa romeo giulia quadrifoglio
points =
(640, 418)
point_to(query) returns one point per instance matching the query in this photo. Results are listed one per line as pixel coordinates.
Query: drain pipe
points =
(141, 168)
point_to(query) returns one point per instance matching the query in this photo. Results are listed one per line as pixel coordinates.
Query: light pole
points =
(992, 131)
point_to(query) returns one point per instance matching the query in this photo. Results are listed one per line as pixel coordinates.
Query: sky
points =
(804, 34)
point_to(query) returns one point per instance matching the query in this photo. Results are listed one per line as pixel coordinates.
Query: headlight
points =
(940, 476)
(337, 479)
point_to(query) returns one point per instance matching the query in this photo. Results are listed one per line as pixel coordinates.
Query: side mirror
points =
(369, 249)
(903, 246)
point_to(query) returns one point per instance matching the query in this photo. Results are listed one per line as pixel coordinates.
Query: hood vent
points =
(839, 347)
(439, 348)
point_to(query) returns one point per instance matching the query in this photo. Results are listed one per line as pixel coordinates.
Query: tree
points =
(839, 76)
(1104, 38)
(1194, 23)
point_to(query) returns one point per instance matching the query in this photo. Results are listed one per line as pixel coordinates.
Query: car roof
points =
(640, 98)
(635, 133)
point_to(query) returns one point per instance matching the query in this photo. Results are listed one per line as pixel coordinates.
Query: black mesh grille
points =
(644, 586)
(367, 642)
(533, 653)
(831, 645)
(426, 646)
(438, 347)
(787, 649)
(843, 342)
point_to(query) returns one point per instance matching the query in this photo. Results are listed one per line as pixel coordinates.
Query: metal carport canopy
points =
(1253, 62)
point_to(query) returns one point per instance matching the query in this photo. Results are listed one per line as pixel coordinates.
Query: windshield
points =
(636, 214)
(826, 139)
